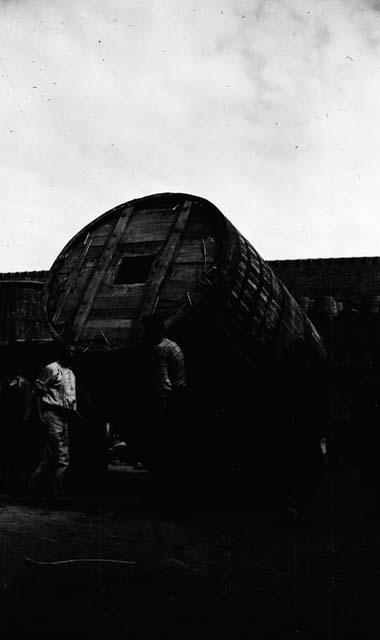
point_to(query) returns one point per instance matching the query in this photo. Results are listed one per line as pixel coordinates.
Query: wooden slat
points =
(163, 261)
(108, 335)
(99, 272)
(74, 301)
(170, 306)
(186, 271)
(111, 314)
(175, 289)
(139, 248)
(129, 300)
(72, 280)
(251, 283)
(192, 250)
(241, 277)
(99, 240)
(154, 224)
(99, 235)
(112, 323)
(157, 232)
(105, 336)
(154, 215)
(266, 295)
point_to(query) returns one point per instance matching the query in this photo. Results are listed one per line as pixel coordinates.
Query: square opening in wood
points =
(134, 269)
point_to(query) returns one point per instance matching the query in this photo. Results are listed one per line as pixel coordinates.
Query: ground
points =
(224, 568)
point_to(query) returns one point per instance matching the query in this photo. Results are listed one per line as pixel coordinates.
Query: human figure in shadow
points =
(365, 420)
(166, 413)
(16, 419)
(304, 418)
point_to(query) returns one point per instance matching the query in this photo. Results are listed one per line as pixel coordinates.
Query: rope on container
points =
(105, 338)
(204, 255)
(155, 305)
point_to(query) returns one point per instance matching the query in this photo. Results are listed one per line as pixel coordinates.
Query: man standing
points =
(167, 411)
(169, 376)
(55, 389)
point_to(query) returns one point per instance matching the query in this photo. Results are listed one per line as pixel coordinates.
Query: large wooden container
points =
(175, 255)
(249, 348)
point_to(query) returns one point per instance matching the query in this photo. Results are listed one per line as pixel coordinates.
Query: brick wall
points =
(346, 279)
(39, 276)
(350, 279)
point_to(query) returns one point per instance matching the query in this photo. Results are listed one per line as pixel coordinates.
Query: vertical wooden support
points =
(71, 281)
(163, 261)
(99, 272)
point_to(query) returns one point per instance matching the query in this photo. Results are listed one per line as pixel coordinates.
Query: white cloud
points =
(270, 109)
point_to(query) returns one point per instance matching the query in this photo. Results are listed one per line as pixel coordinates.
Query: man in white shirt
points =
(55, 389)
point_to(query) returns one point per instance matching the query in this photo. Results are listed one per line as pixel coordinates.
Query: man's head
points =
(154, 329)
(66, 354)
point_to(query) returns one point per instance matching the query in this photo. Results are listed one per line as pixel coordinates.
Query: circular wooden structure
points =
(174, 255)
(252, 356)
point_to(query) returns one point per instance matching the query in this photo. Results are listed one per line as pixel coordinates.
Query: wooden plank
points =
(139, 248)
(163, 206)
(112, 323)
(106, 336)
(99, 240)
(154, 225)
(163, 261)
(99, 235)
(157, 233)
(188, 271)
(108, 314)
(99, 271)
(252, 252)
(198, 231)
(74, 301)
(93, 255)
(246, 309)
(148, 228)
(72, 280)
(272, 317)
(175, 289)
(170, 306)
(102, 228)
(249, 293)
(240, 279)
(128, 300)
(192, 251)
(252, 283)
(243, 252)
(266, 296)
(255, 260)
(152, 216)
(240, 276)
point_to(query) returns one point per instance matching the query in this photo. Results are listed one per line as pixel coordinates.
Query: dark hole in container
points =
(134, 269)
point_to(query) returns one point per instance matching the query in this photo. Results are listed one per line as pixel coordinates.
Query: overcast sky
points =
(270, 109)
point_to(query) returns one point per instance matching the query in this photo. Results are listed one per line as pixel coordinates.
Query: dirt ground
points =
(229, 569)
